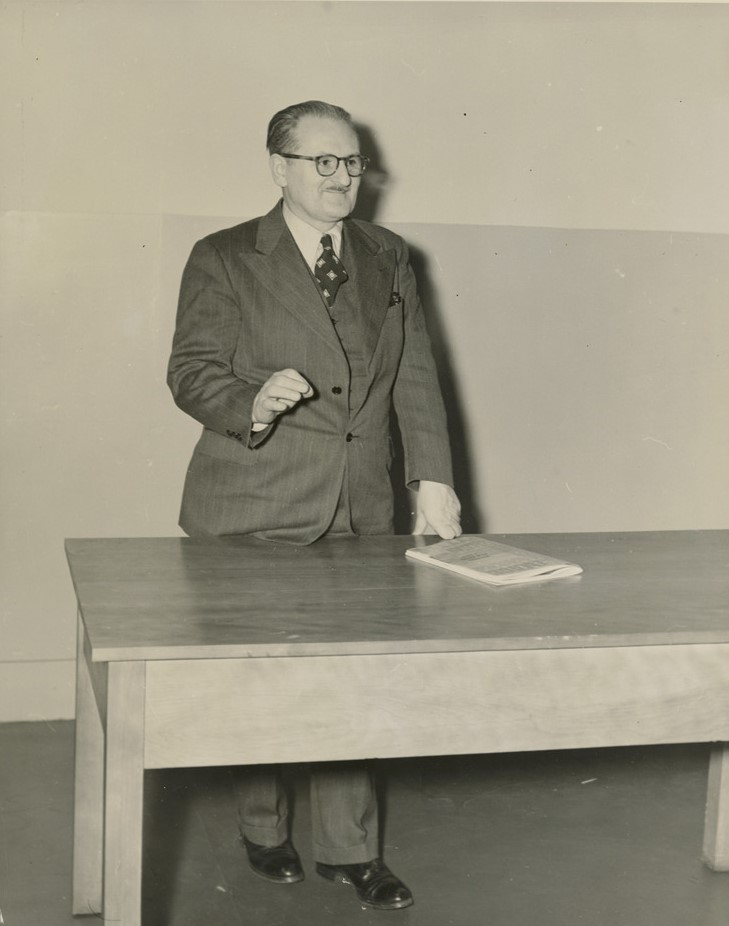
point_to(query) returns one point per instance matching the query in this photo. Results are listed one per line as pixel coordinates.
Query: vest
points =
(346, 316)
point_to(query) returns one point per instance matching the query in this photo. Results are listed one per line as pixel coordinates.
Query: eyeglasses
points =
(328, 164)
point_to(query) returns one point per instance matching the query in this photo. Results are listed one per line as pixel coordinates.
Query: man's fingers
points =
(448, 530)
(287, 386)
(272, 404)
(279, 394)
(293, 380)
(420, 525)
(284, 393)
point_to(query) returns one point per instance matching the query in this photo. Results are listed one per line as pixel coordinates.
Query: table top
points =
(179, 598)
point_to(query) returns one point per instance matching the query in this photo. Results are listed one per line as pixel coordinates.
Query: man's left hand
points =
(437, 510)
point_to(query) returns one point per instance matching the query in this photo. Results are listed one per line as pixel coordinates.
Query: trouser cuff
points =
(349, 855)
(266, 835)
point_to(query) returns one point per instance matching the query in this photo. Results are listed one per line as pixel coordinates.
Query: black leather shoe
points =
(279, 864)
(375, 884)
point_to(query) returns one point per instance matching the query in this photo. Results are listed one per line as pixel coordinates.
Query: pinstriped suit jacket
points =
(248, 307)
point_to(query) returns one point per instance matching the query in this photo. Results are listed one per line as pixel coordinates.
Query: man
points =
(297, 333)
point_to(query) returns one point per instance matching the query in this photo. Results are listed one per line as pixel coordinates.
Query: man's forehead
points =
(325, 134)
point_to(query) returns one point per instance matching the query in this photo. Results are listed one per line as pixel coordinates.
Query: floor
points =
(599, 837)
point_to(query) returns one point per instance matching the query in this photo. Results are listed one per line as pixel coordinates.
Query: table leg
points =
(88, 823)
(124, 794)
(716, 829)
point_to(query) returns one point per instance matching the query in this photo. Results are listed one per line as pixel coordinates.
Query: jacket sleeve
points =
(417, 395)
(200, 371)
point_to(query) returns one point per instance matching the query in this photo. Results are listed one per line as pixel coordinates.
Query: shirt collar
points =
(308, 238)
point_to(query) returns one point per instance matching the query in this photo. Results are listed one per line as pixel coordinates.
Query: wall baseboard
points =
(43, 690)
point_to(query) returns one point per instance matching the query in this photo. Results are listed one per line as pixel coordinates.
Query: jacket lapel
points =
(279, 266)
(371, 272)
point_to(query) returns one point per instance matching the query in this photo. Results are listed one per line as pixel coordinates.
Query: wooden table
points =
(239, 651)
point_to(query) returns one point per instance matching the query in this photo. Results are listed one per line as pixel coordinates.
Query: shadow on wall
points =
(472, 519)
(375, 181)
(373, 188)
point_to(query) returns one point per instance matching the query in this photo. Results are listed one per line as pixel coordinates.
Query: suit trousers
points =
(344, 815)
(343, 810)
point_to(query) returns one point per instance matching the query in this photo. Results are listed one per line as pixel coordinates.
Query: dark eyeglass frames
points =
(328, 164)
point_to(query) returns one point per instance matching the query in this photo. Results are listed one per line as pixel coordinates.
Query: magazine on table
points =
(492, 562)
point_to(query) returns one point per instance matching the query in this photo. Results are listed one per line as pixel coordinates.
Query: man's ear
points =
(278, 169)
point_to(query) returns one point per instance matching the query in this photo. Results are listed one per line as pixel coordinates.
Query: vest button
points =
(337, 390)
(349, 437)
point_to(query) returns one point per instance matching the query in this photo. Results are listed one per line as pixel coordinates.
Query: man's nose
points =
(341, 175)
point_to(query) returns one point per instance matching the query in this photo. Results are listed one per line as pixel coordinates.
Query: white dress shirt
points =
(308, 238)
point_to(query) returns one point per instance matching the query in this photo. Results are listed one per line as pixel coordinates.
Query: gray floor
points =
(598, 837)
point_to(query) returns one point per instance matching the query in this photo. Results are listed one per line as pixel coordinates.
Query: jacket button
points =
(337, 390)
(350, 437)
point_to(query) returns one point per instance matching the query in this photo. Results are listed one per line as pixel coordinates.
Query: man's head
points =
(310, 130)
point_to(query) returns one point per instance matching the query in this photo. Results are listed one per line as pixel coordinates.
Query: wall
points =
(558, 168)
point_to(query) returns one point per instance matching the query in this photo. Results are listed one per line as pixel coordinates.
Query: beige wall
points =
(558, 168)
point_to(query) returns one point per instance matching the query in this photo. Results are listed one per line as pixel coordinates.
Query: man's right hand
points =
(281, 392)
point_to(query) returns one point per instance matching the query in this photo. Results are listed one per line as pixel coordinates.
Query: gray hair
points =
(281, 136)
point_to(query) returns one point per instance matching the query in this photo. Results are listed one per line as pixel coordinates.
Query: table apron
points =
(319, 708)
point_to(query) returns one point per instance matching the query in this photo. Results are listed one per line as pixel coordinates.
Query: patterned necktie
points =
(329, 271)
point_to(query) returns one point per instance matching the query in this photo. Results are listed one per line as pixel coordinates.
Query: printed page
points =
(490, 561)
